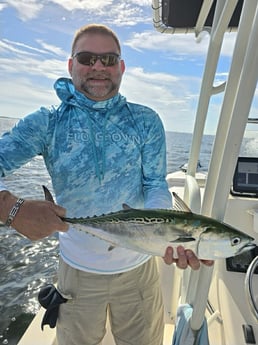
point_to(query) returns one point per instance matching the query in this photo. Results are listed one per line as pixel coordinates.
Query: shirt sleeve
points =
(154, 166)
(23, 142)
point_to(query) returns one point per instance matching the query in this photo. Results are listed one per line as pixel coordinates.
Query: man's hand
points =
(184, 259)
(39, 219)
(35, 219)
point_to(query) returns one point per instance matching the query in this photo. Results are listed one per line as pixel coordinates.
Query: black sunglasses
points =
(89, 59)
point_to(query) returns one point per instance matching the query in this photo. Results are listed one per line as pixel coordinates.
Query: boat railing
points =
(239, 92)
(249, 287)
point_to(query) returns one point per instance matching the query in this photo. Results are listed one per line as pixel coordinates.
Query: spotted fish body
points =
(151, 231)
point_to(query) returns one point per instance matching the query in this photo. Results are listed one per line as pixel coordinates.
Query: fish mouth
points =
(247, 247)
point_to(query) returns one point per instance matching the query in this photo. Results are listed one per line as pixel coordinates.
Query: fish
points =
(151, 231)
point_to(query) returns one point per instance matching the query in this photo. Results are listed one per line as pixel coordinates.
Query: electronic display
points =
(245, 179)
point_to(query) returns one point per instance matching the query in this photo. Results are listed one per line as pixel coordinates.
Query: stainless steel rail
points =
(249, 287)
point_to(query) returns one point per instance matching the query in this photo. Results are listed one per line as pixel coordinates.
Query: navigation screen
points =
(246, 175)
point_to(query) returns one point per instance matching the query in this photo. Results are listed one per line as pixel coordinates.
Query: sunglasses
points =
(89, 59)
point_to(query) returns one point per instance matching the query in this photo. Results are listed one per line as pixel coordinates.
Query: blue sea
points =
(24, 265)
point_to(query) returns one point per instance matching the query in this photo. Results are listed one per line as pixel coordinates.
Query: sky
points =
(163, 71)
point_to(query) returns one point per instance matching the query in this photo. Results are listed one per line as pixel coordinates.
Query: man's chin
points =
(98, 94)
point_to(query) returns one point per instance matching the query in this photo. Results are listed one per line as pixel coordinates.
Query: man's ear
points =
(122, 64)
(70, 66)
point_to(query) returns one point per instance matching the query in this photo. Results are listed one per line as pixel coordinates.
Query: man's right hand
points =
(35, 219)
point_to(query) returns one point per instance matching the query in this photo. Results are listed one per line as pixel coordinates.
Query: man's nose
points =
(98, 65)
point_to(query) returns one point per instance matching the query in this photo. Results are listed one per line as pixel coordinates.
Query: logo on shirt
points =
(115, 137)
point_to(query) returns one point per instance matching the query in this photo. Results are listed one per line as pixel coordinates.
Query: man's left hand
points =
(185, 258)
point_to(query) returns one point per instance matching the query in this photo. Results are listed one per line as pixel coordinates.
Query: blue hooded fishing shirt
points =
(99, 155)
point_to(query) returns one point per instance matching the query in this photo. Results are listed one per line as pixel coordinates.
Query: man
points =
(100, 151)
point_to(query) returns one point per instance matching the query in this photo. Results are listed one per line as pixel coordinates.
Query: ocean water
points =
(24, 265)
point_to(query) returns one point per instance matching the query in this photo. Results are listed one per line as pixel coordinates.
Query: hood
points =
(71, 97)
(67, 93)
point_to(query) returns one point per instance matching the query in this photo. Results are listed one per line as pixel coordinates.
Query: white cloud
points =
(115, 12)
(2, 6)
(71, 5)
(27, 76)
(172, 97)
(27, 9)
(18, 48)
(48, 68)
(138, 72)
(17, 59)
(117, 8)
(52, 48)
(27, 99)
(181, 44)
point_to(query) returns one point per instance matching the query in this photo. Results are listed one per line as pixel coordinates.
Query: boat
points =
(225, 295)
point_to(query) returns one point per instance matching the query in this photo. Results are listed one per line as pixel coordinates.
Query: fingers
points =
(60, 213)
(208, 262)
(59, 210)
(59, 225)
(181, 260)
(192, 260)
(184, 258)
(168, 257)
(187, 258)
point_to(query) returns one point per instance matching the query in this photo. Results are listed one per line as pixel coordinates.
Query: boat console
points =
(245, 180)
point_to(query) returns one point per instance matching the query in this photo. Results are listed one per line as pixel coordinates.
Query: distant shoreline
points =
(9, 117)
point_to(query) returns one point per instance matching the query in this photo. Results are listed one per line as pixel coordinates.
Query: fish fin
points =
(126, 207)
(48, 195)
(179, 204)
(111, 248)
(183, 240)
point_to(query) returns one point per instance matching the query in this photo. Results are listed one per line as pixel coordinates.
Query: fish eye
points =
(235, 241)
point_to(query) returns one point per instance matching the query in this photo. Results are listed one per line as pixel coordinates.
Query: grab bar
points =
(249, 289)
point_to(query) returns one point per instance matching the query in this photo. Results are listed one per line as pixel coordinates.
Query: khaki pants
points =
(133, 300)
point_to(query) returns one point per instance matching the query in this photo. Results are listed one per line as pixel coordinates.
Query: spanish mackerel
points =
(151, 231)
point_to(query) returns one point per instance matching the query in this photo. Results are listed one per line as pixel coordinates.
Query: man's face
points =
(97, 82)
